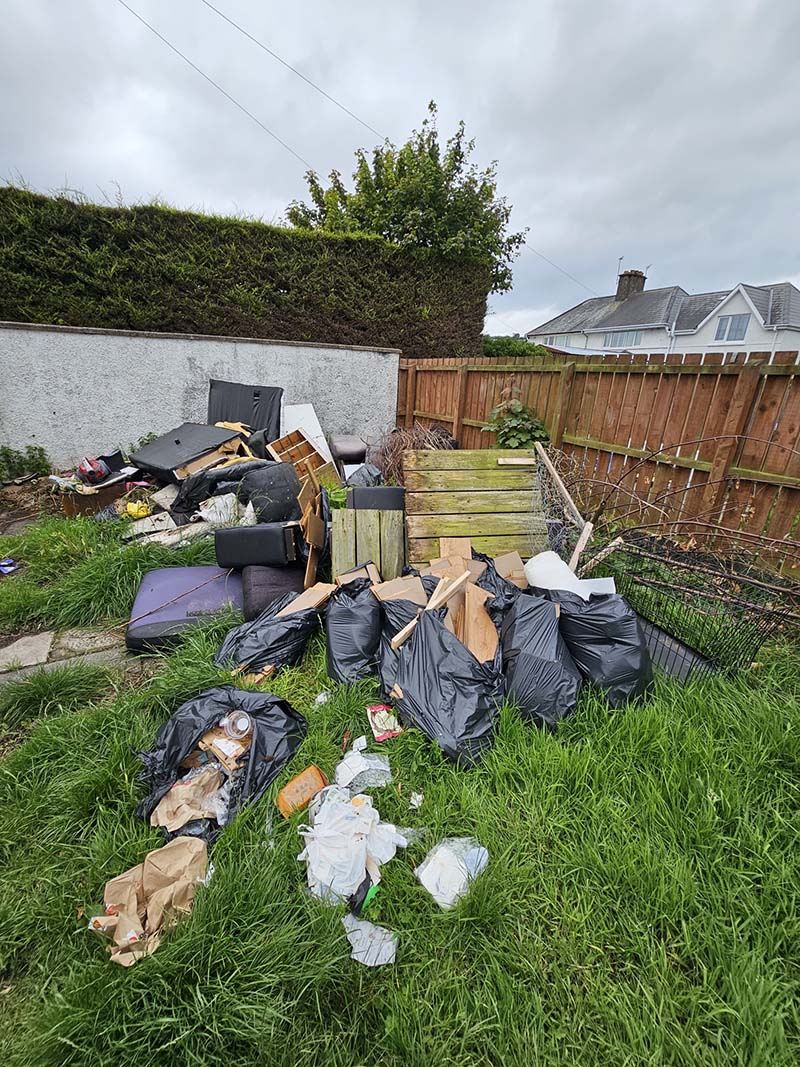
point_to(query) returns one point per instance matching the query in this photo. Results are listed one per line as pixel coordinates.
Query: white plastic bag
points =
(450, 866)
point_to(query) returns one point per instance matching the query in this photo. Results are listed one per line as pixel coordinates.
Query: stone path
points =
(50, 650)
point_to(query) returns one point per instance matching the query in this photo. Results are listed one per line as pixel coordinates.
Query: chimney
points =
(628, 283)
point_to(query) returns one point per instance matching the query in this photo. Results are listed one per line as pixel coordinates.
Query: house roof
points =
(778, 305)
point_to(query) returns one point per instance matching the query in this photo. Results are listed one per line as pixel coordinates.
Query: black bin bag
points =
(396, 615)
(446, 693)
(278, 731)
(269, 641)
(272, 489)
(606, 640)
(353, 632)
(540, 675)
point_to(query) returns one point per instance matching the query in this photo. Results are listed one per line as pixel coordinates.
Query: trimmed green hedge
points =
(152, 268)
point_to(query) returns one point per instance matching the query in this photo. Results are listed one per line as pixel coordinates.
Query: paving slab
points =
(78, 642)
(26, 651)
(108, 657)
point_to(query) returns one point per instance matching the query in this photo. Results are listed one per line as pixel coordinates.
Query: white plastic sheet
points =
(371, 945)
(450, 866)
(547, 570)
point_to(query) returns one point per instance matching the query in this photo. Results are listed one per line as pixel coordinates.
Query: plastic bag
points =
(503, 592)
(272, 489)
(366, 475)
(353, 632)
(278, 731)
(606, 640)
(269, 641)
(449, 867)
(396, 615)
(212, 482)
(446, 693)
(361, 770)
(540, 675)
(344, 843)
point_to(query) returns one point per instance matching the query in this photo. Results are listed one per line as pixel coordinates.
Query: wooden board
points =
(360, 536)
(423, 549)
(468, 494)
(313, 597)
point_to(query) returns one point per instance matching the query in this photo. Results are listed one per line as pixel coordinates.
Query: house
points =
(747, 318)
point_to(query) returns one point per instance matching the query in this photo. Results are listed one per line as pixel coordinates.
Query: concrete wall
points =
(82, 392)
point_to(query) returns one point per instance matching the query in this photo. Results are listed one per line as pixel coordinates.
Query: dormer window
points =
(732, 327)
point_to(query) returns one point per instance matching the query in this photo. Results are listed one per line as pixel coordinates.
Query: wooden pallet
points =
(359, 536)
(296, 448)
(468, 493)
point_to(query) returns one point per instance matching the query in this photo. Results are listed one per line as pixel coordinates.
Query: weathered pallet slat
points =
(472, 501)
(359, 536)
(467, 493)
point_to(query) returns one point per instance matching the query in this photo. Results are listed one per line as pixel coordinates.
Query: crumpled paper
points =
(371, 945)
(450, 866)
(143, 901)
(345, 842)
(200, 794)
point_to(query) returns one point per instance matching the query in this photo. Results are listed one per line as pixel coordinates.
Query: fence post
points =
(563, 397)
(736, 423)
(461, 400)
(411, 394)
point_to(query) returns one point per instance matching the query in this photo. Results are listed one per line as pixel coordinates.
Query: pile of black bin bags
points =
(550, 644)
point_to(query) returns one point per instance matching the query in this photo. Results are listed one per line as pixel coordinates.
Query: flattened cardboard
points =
(410, 588)
(227, 750)
(315, 531)
(511, 567)
(313, 597)
(367, 570)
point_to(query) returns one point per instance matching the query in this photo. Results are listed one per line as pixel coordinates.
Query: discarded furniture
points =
(362, 536)
(189, 448)
(473, 494)
(262, 585)
(171, 600)
(298, 449)
(272, 544)
(257, 406)
(347, 448)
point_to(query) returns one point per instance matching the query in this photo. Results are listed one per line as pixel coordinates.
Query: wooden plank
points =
(451, 547)
(460, 459)
(640, 453)
(424, 549)
(563, 395)
(460, 401)
(517, 461)
(313, 597)
(474, 501)
(368, 537)
(411, 395)
(466, 525)
(739, 414)
(343, 540)
(393, 544)
(499, 478)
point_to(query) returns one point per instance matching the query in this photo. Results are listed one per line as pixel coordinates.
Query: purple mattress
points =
(172, 599)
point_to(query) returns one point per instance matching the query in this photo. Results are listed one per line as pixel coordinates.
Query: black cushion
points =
(262, 585)
(346, 448)
(272, 543)
(272, 489)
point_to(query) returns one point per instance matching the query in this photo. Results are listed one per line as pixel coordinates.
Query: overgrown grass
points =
(48, 692)
(640, 904)
(77, 572)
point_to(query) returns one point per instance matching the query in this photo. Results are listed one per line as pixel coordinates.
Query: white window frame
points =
(622, 339)
(725, 327)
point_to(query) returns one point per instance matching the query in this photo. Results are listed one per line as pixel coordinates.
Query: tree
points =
(420, 195)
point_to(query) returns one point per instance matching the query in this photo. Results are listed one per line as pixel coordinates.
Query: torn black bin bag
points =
(278, 731)
(540, 675)
(211, 482)
(503, 592)
(272, 489)
(606, 640)
(446, 693)
(257, 406)
(365, 475)
(396, 615)
(353, 632)
(269, 641)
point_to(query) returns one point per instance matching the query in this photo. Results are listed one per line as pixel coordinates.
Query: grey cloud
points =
(665, 132)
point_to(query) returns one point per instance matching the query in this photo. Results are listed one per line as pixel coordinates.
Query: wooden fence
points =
(729, 425)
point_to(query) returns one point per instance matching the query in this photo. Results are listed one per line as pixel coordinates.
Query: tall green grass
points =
(78, 572)
(640, 905)
(47, 692)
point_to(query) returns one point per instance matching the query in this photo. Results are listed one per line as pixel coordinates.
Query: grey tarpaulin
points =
(257, 406)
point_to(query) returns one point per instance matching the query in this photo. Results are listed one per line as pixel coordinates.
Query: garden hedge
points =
(152, 268)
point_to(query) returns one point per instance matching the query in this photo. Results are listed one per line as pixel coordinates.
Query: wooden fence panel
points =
(611, 412)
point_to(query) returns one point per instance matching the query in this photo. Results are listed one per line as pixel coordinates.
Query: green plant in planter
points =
(514, 425)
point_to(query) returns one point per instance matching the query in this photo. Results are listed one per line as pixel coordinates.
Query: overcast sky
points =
(667, 132)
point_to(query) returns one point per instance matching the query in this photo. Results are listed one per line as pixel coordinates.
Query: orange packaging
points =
(299, 793)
